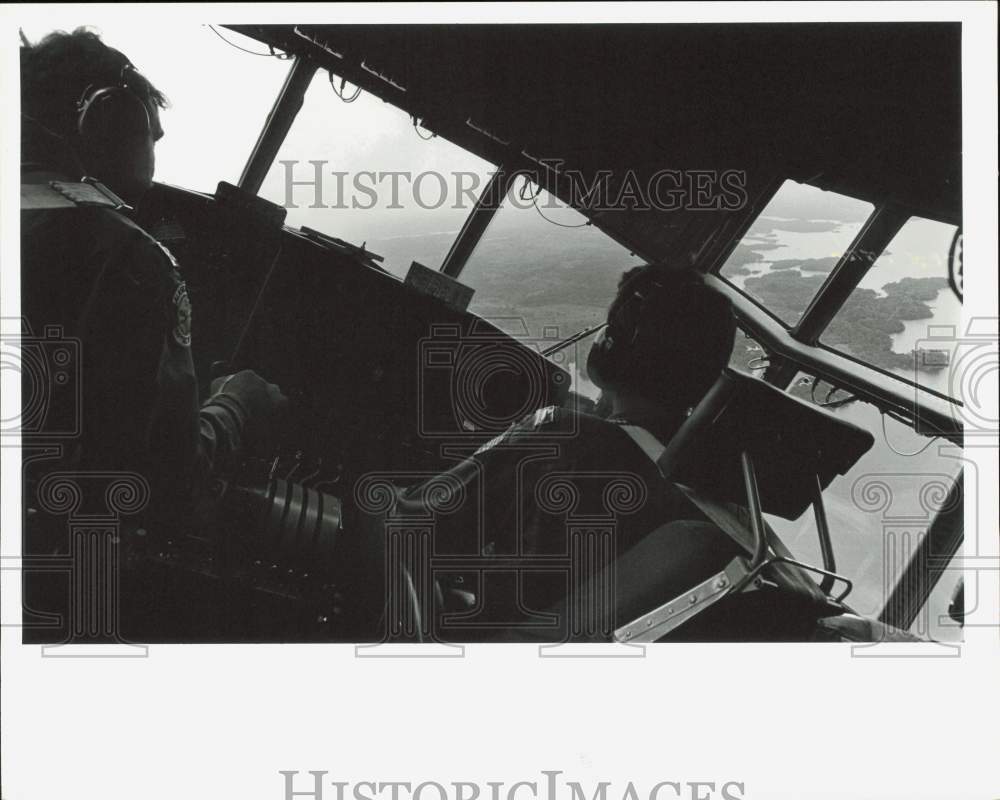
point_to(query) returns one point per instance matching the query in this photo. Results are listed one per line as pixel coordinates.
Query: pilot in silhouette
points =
(90, 123)
(524, 496)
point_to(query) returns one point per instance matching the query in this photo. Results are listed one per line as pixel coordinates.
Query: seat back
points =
(748, 449)
(791, 442)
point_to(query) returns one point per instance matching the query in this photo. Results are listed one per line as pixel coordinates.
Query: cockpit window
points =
(542, 273)
(903, 317)
(792, 247)
(359, 169)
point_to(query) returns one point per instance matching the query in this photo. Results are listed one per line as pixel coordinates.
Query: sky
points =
(206, 81)
(221, 86)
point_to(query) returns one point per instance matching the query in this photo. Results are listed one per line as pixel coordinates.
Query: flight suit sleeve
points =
(476, 504)
(183, 443)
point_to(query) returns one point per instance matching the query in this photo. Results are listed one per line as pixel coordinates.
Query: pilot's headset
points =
(107, 112)
(642, 334)
(621, 350)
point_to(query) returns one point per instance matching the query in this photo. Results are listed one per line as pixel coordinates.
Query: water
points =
(918, 251)
(815, 244)
(926, 333)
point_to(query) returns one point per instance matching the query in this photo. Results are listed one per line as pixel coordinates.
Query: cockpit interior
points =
(811, 172)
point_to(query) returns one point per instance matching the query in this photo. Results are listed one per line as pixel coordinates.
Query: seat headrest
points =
(790, 441)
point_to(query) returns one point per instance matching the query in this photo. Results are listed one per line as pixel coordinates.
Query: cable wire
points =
(523, 195)
(885, 436)
(417, 129)
(828, 402)
(534, 203)
(842, 402)
(272, 54)
(522, 192)
(340, 92)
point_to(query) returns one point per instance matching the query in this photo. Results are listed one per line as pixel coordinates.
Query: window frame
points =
(902, 217)
(797, 346)
(811, 315)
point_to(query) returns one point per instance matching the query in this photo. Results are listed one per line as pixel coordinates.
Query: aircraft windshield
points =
(542, 273)
(903, 317)
(792, 247)
(360, 170)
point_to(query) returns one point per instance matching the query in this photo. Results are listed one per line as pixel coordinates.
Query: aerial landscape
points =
(542, 281)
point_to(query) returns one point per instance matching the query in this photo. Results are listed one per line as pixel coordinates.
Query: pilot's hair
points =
(684, 332)
(56, 71)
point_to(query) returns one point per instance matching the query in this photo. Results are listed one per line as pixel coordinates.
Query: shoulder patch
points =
(89, 193)
(182, 311)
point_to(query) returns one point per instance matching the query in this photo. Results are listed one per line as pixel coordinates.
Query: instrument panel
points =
(380, 375)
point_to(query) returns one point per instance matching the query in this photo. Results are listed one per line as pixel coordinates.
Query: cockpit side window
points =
(792, 246)
(903, 318)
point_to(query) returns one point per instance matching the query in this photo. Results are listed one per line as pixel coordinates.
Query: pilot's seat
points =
(746, 450)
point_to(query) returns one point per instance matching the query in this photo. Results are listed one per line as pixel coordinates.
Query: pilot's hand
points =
(263, 401)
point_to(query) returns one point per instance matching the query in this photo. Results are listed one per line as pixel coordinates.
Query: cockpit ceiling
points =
(871, 110)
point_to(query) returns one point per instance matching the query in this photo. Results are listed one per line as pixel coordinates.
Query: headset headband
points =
(123, 83)
(110, 110)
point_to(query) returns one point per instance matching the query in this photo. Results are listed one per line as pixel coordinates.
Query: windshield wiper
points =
(574, 338)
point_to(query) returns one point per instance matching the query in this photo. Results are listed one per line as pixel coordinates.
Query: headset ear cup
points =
(111, 113)
(601, 361)
(612, 358)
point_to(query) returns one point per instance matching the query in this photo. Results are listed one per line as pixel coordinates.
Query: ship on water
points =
(931, 358)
